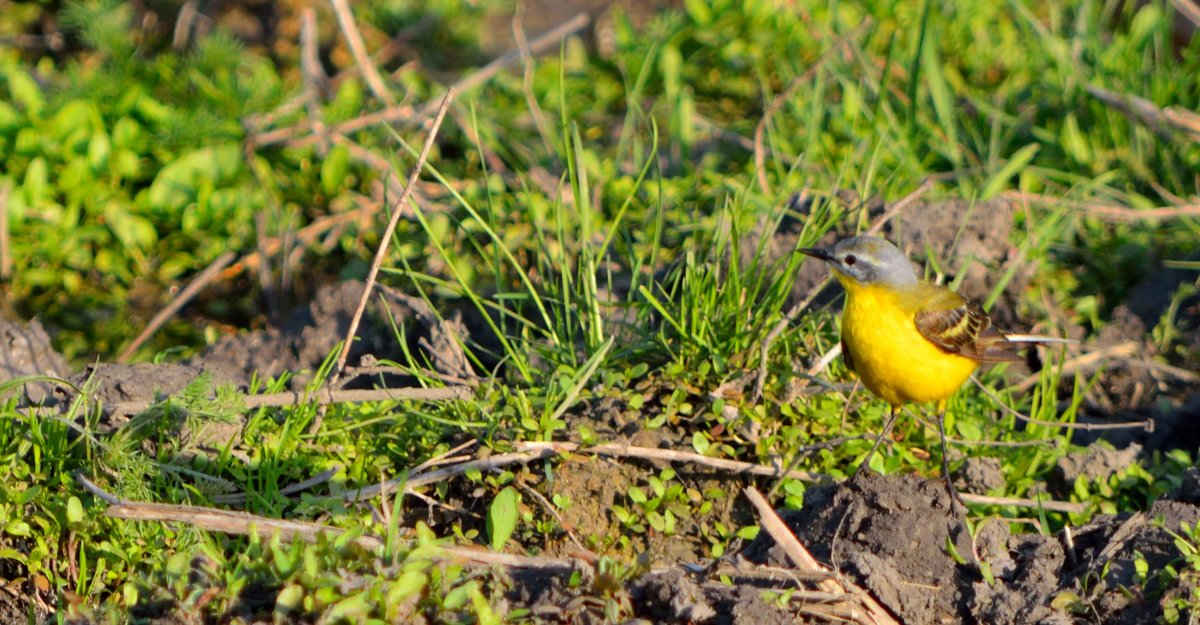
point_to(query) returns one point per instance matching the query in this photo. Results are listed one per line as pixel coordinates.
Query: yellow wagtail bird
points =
(909, 340)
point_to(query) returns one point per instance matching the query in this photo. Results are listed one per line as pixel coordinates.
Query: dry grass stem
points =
(345, 19)
(1188, 9)
(1110, 212)
(397, 212)
(672, 455)
(301, 134)
(1160, 120)
(1147, 424)
(1020, 502)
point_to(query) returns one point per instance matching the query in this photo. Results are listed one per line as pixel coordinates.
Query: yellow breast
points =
(889, 354)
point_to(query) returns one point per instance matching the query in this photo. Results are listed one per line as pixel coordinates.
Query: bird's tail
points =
(1033, 338)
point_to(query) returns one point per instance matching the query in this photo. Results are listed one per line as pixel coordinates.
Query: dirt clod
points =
(1097, 461)
(142, 382)
(1026, 573)
(310, 333)
(304, 340)
(980, 474)
(25, 351)
(673, 596)
(1111, 549)
(889, 534)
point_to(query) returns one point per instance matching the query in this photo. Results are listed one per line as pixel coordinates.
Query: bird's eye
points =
(850, 260)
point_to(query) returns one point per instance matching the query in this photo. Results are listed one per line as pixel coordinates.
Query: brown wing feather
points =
(846, 358)
(965, 330)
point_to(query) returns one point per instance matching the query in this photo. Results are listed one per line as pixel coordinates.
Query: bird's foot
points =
(955, 498)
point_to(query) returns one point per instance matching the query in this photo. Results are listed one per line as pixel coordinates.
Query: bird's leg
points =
(887, 427)
(941, 421)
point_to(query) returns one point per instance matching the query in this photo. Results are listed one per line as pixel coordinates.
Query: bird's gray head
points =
(866, 260)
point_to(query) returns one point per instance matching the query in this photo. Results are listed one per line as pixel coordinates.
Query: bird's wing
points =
(846, 356)
(957, 326)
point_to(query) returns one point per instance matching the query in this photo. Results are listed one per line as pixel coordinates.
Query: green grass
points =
(620, 251)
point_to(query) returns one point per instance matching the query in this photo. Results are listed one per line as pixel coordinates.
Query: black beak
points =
(817, 252)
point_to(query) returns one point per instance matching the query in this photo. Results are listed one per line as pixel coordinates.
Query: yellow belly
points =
(889, 354)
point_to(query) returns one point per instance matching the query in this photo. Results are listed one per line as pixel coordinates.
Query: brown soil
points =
(18, 607)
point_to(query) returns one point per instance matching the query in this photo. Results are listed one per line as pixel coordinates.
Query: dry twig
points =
(672, 455)
(900, 206)
(531, 451)
(1147, 424)
(540, 44)
(872, 613)
(398, 43)
(1160, 120)
(535, 109)
(316, 480)
(322, 397)
(270, 293)
(446, 458)
(295, 136)
(316, 83)
(1124, 213)
(1188, 9)
(374, 161)
(397, 211)
(375, 370)
(341, 8)
(549, 508)
(1020, 502)
(304, 236)
(1109, 211)
(230, 522)
(412, 482)
(183, 24)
